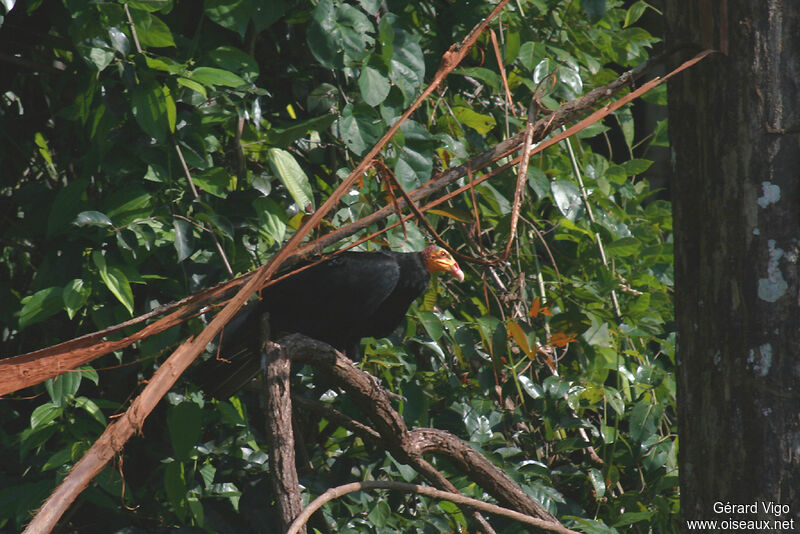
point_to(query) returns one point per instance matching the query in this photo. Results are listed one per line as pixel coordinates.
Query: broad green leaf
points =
(479, 122)
(568, 198)
(407, 64)
(571, 79)
(530, 54)
(171, 108)
(629, 518)
(482, 74)
(149, 108)
(623, 247)
(193, 85)
(232, 59)
(374, 86)
(183, 422)
(175, 486)
(636, 166)
(293, 178)
(75, 294)
(184, 238)
(625, 119)
(379, 514)
(58, 460)
(271, 217)
(63, 386)
(431, 323)
(91, 408)
(415, 161)
(598, 483)
(360, 127)
(216, 181)
(92, 218)
(338, 34)
(212, 76)
(597, 335)
(151, 30)
(634, 12)
(284, 136)
(40, 306)
(530, 387)
(128, 204)
(232, 14)
(151, 5)
(115, 280)
(45, 414)
(69, 201)
(643, 420)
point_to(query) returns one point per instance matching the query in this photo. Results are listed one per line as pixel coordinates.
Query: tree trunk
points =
(735, 132)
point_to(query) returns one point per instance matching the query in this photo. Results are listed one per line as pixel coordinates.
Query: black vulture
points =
(338, 301)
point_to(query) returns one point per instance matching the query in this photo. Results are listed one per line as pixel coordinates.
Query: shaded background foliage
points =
(270, 105)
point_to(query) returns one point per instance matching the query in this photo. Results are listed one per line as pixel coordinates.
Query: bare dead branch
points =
(339, 491)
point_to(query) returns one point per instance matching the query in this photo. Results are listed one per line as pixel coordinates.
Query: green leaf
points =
(568, 198)
(63, 387)
(271, 216)
(407, 66)
(636, 166)
(477, 121)
(483, 74)
(415, 161)
(193, 85)
(431, 323)
(115, 280)
(530, 54)
(91, 408)
(643, 420)
(216, 181)
(293, 178)
(530, 387)
(231, 14)
(629, 518)
(634, 13)
(92, 218)
(374, 86)
(75, 294)
(58, 460)
(379, 514)
(68, 203)
(45, 414)
(151, 30)
(149, 108)
(40, 306)
(360, 127)
(338, 34)
(184, 238)
(599, 485)
(183, 422)
(623, 247)
(175, 486)
(232, 59)
(212, 76)
(625, 119)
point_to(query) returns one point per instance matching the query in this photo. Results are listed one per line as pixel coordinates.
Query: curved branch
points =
(409, 446)
(339, 491)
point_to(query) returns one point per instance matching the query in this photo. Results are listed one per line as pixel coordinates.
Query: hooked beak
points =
(456, 271)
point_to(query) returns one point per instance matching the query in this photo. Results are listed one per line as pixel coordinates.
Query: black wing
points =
(331, 302)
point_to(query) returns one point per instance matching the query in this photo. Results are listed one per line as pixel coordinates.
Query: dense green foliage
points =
(271, 105)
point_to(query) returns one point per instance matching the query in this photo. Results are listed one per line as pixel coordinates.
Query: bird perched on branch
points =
(338, 301)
